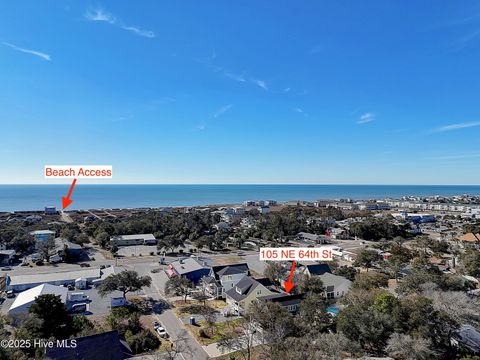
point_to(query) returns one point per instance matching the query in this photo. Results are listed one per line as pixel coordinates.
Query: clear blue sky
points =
(242, 92)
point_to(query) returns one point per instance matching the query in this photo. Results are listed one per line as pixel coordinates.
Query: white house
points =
(335, 286)
(264, 209)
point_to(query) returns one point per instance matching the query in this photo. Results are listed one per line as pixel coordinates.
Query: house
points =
(246, 291)
(335, 286)
(50, 210)
(6, 257)
(264, 209)
(42, 236)
(137, 239)
(190, 268)
(224, 277)
(316, 269)
(64, 247)
(290, 302)
(104, 346)
(26, 298)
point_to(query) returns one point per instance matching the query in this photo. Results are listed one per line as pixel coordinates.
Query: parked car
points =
(162, 332)
(6, 268)
(10, 294)
(71, 287)
(84, 265)
(156, 325)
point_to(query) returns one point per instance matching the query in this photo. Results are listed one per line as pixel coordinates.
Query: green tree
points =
(180, 286)
(370, 328)
(126, 281)
(367, 258)
(470, 261)
(312, 285)
(53, 318)
(385, 302)
(348, 272)
(370, 280)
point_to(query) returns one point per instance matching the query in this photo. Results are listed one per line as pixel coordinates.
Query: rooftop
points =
(51, 277)
(28, 296)
(187, 265)
(108, 345)
(134, 237)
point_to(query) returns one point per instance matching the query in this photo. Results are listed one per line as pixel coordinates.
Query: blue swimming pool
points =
(333, 309)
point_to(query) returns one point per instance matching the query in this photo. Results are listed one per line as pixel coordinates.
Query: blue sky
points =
(242, 92)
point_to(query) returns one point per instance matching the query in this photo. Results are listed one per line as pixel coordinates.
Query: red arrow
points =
(289, 284)
(66, 200)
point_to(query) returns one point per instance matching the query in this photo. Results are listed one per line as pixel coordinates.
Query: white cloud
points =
(458, 126)
(101, 15)
(366, 118)
(42, 55)
(140, 32)
(262, 84)
(222, 110)
(240, 78)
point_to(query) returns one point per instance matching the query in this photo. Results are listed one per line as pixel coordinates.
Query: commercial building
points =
(137, 239)
(25, 299)
(415, 217)
(23, 282)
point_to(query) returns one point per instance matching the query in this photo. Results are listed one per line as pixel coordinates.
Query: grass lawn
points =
(179, 304)
(256, 355)
(218, 330)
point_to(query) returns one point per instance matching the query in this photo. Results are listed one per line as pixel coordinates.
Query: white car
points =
(161, 331)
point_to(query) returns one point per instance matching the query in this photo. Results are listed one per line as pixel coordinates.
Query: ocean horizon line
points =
(234, 184)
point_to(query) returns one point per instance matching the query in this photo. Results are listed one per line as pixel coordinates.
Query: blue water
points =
(35, 197)
(333, 309)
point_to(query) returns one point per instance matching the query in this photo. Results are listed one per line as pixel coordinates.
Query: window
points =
(259, 292)
(330, 295)
(229, 277)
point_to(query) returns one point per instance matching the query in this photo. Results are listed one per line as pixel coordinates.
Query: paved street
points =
(167, 317)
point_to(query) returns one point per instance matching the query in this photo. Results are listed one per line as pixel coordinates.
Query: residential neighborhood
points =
(191, 290)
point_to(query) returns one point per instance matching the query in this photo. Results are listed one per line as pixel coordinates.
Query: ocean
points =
(36, 197)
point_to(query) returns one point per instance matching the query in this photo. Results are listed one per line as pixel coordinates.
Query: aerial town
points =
(187, 282)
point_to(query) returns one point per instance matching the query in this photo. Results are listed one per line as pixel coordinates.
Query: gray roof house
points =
(291, 302)
(104, 346)
(246, 291)
(190, 268)
(224, 277)
(335, 286)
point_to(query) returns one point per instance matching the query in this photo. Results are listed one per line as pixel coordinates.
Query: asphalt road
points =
(167, 317)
